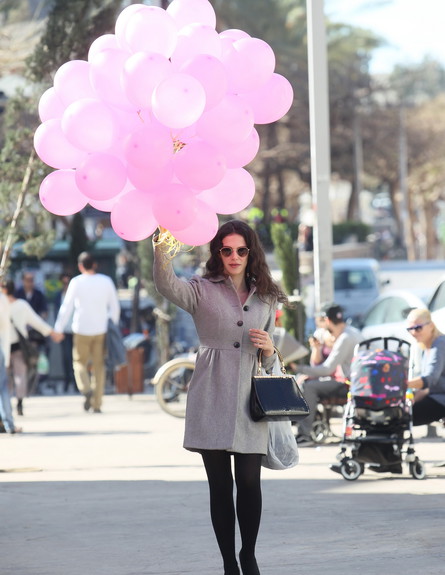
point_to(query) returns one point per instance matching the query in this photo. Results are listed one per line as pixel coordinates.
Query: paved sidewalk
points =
(115, 494)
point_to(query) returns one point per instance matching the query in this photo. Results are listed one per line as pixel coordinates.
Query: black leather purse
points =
(276, 397)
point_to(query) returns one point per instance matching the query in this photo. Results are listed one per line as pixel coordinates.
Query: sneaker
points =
(335, 467)
(303, 441)
(393, 468)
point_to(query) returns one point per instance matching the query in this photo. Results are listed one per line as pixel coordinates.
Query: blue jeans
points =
(5, 400)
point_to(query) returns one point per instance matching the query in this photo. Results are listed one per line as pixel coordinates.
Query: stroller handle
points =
(385, 341)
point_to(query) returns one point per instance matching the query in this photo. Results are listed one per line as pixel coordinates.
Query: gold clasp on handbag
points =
(280, 358)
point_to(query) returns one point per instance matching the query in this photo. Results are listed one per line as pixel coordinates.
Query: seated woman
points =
(321, 342)
(429, 404)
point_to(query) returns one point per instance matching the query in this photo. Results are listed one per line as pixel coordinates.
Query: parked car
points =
(436, 305)
(357, 284)
(386, 316)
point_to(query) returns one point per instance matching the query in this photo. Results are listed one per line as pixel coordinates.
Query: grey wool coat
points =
(217, 415)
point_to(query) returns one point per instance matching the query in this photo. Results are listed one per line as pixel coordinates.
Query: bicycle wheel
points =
(172, 387)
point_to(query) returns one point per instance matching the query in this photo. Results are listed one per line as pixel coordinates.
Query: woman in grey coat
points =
(233, 306)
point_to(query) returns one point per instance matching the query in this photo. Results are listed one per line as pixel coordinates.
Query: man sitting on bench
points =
(328, 378)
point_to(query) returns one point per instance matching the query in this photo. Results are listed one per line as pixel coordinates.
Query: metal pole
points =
(403, 178)
(320, 151)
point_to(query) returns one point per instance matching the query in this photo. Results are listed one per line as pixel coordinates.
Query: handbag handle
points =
(280, 358)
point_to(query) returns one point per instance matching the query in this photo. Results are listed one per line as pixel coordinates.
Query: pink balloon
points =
(150, 147)
(60, 195)
(196, 39)
(186, 12)
(149, 180)
(199, 165)
(106, 70)
(132, 216)
(184, 135)
(231, 121)
(142, 73)
(174, 206)
(50, 105)
(243, 153)
(212, 75)
(233, 34)
(72, 81)
(272, 101)
(249, 65)
(53, 148)
(122, 20)
(104, 205)
(232, 195)
(151, 29)
(89, 125)
(107, 205)
(178, 101)
(128, 121)
(202, 230)
(105, 42)
(101, 176)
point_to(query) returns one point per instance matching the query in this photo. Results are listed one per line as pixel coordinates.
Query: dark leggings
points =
(427, 410)
(248, 505)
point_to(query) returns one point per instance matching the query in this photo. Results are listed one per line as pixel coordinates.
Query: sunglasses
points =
(417, 328)
(227, 252)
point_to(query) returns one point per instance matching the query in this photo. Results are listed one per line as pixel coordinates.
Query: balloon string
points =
(170, 245)
(177, 145)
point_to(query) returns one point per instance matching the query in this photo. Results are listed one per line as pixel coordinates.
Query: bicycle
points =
(171, 383)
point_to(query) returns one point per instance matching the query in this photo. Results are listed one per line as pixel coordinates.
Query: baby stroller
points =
(378, 417)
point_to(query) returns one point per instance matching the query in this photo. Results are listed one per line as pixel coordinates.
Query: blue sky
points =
(412, 28)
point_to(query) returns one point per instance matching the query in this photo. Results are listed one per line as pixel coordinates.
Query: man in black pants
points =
(328, 378)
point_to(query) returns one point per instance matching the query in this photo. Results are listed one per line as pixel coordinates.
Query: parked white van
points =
(356, 285)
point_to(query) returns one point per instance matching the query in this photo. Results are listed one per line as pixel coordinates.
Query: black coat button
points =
(237, 344)
(246, 308)
(240, 323)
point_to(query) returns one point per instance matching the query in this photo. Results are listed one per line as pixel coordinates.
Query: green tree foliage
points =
(288, 261)
(418, 83)
(282, 168)
(71, 28)
(20, 175)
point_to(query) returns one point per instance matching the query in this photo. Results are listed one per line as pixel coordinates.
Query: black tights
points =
(248, 506)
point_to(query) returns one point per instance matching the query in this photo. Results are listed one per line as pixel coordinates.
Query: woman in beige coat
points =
(233, 306)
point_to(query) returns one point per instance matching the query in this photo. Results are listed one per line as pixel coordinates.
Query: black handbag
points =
(276, 397)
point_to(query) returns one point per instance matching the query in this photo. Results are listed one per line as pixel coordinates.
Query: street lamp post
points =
(320, 150)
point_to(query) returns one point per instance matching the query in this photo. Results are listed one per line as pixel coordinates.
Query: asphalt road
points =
(115, 494)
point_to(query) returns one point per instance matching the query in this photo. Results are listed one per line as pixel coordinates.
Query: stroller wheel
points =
(417, 469)
(351, 469)
(320, 431)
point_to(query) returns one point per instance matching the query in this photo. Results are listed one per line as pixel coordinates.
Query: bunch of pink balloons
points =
(157, 125)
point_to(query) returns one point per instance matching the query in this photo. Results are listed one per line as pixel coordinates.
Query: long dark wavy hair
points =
(257, 270)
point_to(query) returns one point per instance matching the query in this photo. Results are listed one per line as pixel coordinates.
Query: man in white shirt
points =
(5, 350)
(91, 300)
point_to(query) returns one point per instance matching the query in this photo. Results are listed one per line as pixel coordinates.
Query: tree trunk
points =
(356, 188)
(18, 210)
(429, 228)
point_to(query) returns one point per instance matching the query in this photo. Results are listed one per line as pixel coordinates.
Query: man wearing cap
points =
(328, 378)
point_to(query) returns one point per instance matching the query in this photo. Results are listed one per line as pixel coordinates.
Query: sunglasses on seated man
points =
(417, 327)
(226, 252)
